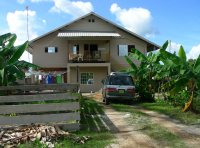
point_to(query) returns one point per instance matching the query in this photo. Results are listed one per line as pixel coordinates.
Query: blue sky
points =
(156, 20)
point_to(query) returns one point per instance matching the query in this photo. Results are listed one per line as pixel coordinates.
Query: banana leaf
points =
(136, 54)
(2, 64)
(25, 65)
(131, 63)
(197, 64)
(170, 56)
(5, 38)
(20, 50)
(179, 85)
(14, 70)
(181, 54)
(165, 45)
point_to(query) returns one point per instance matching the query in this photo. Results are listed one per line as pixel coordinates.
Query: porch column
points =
(109, 69)
(68, 74)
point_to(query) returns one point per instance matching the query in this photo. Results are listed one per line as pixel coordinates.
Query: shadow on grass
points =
(93, 117)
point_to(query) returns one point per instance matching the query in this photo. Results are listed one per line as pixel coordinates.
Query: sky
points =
(156, 20)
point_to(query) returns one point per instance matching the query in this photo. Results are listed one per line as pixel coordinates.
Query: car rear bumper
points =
(120, 97)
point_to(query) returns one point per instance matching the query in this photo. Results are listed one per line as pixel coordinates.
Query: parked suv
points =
(118, 86)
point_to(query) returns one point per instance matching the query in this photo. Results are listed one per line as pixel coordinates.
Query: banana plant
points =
(182, 74)
(11, 68)
(174, 71)
(144, 72)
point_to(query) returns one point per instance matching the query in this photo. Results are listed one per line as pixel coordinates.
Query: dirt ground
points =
(128, 137)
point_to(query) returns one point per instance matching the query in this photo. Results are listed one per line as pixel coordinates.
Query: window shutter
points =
(118, 50)
(46, 49)
(77, 46)
(56, 49)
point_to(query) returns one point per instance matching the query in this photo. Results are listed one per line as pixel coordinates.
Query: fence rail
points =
(60, 87)
(56, 108)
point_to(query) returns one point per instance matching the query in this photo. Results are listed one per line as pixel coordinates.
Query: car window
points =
(120, 80)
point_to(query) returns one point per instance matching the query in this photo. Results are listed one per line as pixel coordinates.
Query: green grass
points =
(141, 122)
(98, 140)
(174, 112)
(91, 125)
(163, 136)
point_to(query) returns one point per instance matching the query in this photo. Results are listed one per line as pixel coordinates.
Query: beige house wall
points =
(118, 62)
(49, 60)
(99, 74)
(97, 25)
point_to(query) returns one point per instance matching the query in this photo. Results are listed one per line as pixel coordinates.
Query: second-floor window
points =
(51, 49)
(75, 49)
(123, 50)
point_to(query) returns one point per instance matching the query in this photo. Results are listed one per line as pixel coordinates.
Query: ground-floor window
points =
(87, 78)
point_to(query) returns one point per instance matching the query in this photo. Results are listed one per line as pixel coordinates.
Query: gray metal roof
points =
(88, 34)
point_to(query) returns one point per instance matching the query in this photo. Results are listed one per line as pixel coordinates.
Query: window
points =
(121, 80)
(130, 47)
(75, 49)
(91, 20)
(87, 78)
(51, 49)
(123, 50)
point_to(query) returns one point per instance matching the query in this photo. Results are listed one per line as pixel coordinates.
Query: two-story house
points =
(88, 48)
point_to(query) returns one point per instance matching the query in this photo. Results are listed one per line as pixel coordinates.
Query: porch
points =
(88, 75)
(88, 47)
(89, 51)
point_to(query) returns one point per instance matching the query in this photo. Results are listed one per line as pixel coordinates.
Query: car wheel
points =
(103, 100)
(107, 101)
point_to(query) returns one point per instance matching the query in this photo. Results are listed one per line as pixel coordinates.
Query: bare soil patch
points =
(129, 136)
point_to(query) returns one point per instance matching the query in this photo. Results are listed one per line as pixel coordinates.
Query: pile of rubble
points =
(44, 133)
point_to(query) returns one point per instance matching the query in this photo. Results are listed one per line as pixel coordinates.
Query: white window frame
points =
(84, 81)
(122, 50)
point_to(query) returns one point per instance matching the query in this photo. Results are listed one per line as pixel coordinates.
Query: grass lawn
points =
(91, 125)
(141, 122)
(174, 112)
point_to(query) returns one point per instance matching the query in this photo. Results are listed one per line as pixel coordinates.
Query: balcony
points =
(93, 57)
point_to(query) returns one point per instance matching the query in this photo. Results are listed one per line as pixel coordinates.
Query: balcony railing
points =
(94, 57)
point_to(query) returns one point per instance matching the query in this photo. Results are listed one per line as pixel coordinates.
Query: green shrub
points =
(196, 104)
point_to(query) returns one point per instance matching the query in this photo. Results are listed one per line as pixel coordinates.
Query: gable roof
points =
(150, 45)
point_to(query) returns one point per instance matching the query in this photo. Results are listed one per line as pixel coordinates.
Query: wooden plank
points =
(47, 118)
(64, 86)
(36, 108)
(38, 97)
(70, 127)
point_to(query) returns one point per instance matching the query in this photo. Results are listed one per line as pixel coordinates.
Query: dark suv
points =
(118, 86)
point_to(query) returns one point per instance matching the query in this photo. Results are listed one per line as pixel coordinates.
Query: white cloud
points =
(74, 8)
(17, 23)
(137, 20)
(173, 47)
(194, 52)
(21, 1)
